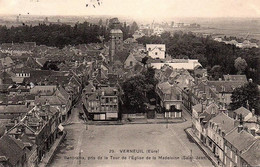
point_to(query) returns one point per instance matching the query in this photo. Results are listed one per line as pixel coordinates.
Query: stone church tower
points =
(116, 41)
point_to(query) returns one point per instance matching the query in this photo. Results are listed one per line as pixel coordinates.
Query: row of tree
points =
(219, 58)
(60, 35)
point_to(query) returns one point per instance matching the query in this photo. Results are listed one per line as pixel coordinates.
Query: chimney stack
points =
(239, 128)
(253, 111)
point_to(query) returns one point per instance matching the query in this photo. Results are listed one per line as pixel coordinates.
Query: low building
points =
(156, 50)
(188, 64)
(12, 152)
(37, 129)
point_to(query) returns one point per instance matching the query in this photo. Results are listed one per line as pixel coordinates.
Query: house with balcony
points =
(102, 104)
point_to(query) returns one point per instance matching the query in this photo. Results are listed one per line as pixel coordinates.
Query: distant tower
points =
(46, 20)
(17, 19)
(116, 41)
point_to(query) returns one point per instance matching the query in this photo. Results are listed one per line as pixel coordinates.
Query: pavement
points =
(154, 145)
(206, 150)
(49, 155)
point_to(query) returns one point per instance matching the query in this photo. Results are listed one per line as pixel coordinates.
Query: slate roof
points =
(225, 122)
(252, 156)
(11, 149)
(243, 111)
(52, 100)
(108, 91)
(41, 61)
(22, 70)
(6, 61)
(197, 107)
(165, 87)
(6, 78)
(235, 78)
(12, 109)
(240, 140)
(228, 86)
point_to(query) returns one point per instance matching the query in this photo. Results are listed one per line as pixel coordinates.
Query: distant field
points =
(239, 27)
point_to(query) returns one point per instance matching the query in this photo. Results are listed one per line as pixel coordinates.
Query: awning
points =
(61, 128)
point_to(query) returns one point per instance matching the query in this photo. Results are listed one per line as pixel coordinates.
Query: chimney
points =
(253, 111)
(252, 131)
(15, 121)
(239, 128)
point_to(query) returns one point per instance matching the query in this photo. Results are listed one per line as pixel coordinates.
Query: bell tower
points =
(116, 41)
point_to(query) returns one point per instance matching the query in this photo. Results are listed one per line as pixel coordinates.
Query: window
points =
(230, 164)
(156, 53)
(230, 153)
(236, 158)
(225, 149)
(131, 63)
(225, 160)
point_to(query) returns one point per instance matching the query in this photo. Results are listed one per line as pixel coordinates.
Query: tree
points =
(100, 22)
(144, 60)
(248, 94)
(134, 96)
(138, 89)
(216, 72)
(133, 27)
(240, 65)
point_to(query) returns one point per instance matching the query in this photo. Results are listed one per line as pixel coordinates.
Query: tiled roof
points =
(243, 111)
(212, 108)
(225, 86)
(11, 149)
(197, 107)
(89, 88)
(52, 100)
(93, 96)
(252, 156)
(224, 122)
(13, 109)
(41, 61)
(235, 78)
(108, 91)
(165, 87)
(6, 78)
(240, 140)
(6, 61)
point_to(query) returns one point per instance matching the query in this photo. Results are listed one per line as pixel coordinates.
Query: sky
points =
(135, 8)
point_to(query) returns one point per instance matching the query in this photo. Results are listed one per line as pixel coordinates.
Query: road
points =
(102, 145)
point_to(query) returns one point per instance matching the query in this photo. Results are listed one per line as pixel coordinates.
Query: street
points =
(128, 145)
